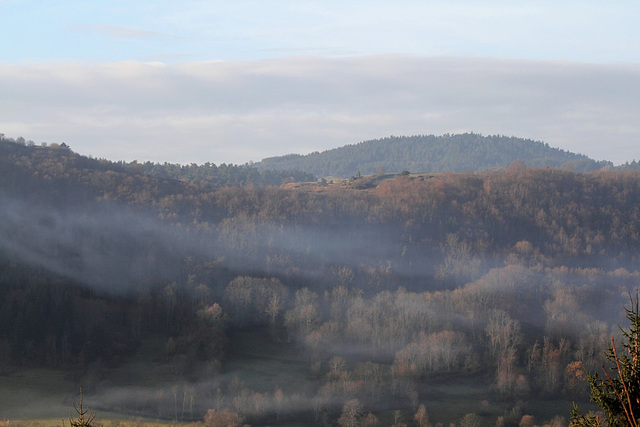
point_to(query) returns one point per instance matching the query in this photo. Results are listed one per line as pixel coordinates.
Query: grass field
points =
(265, 366)
(34, 394)
(47, 396)
(43, 398)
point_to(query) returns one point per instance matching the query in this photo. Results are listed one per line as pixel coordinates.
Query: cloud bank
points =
(239, 111)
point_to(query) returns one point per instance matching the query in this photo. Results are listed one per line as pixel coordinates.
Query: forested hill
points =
(342, 291)
(428, 153)
(58, 161)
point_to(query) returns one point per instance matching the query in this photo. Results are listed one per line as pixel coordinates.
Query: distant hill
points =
(466, 152)
(19, 158)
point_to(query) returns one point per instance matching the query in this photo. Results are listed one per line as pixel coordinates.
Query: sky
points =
(233, 82)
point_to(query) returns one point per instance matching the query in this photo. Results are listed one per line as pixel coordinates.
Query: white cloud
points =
(236, 111)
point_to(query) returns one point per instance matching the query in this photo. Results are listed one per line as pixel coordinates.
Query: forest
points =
(467, 152)
(231, 296)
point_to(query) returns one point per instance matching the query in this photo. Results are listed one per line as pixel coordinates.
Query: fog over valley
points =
(165, 294)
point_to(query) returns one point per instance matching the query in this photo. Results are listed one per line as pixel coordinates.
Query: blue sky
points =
(196, 81)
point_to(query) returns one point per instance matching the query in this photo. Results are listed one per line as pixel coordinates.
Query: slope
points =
(428, 153)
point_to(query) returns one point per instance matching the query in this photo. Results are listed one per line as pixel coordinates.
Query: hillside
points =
(428, 153)
(57, 163)
(278, 305)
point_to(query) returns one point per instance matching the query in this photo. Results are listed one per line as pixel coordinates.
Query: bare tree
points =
(351, 414)
(421, 417)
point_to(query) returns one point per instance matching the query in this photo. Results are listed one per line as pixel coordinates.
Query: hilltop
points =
(468, 152)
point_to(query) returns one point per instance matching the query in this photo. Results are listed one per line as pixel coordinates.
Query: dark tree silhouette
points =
(85, 419)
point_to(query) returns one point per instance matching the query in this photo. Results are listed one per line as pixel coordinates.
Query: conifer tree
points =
(85, 419)
(617, 391)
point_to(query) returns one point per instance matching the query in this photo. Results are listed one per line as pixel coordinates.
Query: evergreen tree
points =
(85, 419)
(617, 391)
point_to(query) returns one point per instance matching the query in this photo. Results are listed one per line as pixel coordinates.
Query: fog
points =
(112, 246)
(102, 246)
(349, 311)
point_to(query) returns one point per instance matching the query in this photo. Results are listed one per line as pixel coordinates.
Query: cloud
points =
(236, 111)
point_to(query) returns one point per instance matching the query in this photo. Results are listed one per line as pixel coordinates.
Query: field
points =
(34, 394)
(43, 398)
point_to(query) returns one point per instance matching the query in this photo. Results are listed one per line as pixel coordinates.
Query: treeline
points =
(58, 162)
(223, 175)
(51, 321)
(466, 152)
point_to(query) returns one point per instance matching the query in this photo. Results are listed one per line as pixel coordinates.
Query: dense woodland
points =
(369, 298)
(468, 152)
(60, 162)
